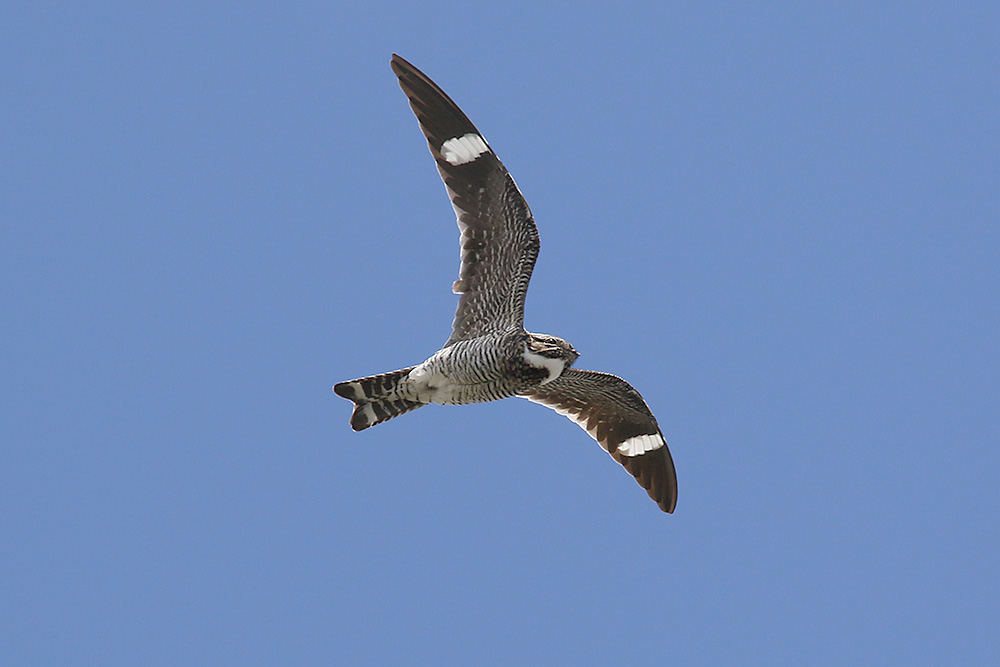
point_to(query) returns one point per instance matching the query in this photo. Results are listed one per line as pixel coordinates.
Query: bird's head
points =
(552, 347)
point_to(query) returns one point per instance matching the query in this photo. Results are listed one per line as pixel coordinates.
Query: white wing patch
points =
(634, 446)
(640, 444)
(463, 149)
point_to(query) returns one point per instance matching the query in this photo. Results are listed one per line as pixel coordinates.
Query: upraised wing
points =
(498, 235)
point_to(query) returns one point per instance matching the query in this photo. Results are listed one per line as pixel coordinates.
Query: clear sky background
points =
(779, 221)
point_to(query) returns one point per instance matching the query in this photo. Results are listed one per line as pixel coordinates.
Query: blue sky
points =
(779, 221)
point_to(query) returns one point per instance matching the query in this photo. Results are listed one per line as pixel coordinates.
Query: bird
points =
(489, 355)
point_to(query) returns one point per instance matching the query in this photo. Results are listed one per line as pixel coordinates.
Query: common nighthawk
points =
(489, 355)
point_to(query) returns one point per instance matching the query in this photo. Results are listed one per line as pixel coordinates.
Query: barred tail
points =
(375, 398)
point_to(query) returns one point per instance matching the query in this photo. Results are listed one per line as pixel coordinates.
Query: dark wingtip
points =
(666, 488)
(655, 472)
(670, 502)
(399, 63)
(670, 505)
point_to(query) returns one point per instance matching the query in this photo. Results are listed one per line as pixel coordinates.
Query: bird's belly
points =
(429, 383)
(445, 391)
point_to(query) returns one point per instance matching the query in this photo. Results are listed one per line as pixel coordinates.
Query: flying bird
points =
(490, 355)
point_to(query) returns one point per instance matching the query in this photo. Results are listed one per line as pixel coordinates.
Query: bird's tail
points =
(376, 398)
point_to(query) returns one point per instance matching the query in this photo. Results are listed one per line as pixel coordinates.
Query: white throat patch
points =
(555, 367)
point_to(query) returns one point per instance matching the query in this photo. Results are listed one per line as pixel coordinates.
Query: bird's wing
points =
(498, 235)
(613, 413)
